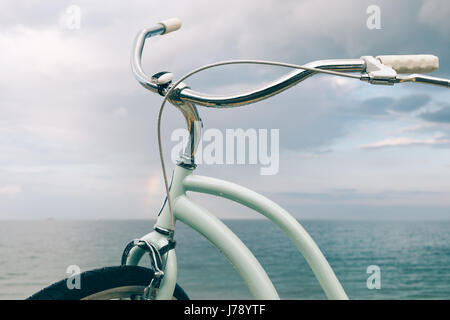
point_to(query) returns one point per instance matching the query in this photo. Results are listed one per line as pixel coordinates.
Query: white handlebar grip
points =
(170, 25)
(414, 63)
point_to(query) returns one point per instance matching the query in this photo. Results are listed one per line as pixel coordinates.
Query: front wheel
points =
(119, 282)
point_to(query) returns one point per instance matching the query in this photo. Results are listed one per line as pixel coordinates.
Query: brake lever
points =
(378, 73)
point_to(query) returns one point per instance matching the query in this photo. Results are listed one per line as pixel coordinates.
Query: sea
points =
(411, 259)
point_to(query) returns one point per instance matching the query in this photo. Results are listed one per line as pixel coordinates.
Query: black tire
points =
(122, 280)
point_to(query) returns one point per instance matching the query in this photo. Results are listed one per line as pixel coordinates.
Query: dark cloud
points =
(410, 103)
(380, 106)
(375, 106)
(441, 116)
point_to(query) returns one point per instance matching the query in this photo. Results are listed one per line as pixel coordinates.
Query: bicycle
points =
(159, 281)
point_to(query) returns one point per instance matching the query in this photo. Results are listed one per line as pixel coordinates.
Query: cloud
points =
(379, 106)
(402, 141)
(435, 13)
(10, 190)
(375, 106)
(353, 196)
(417, 127)
(440, 116)
(76, 127)
(410, 103)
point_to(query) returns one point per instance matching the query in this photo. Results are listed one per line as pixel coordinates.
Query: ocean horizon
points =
(413, 256)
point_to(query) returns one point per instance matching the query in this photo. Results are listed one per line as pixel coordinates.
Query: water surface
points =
(414, 257)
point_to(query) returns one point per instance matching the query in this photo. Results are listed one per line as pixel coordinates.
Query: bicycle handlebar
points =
(380, 70)
(277, 86)
(163, 27)
(170, 25)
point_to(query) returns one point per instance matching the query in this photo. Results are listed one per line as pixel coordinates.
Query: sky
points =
(78, 133)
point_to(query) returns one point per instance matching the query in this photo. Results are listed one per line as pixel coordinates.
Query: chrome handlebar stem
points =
(188, 109)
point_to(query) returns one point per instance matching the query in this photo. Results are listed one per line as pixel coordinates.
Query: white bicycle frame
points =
(184, 181)
(245, 263)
